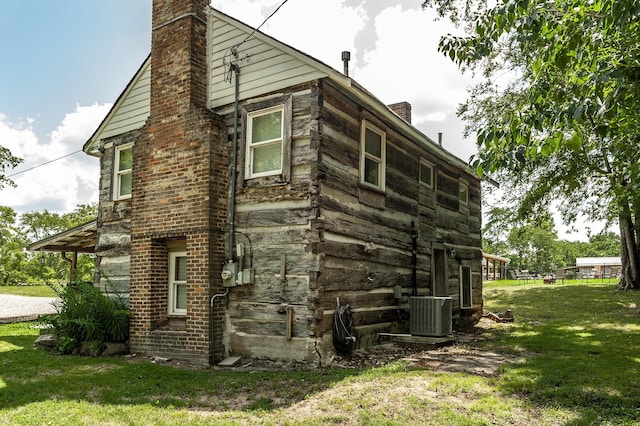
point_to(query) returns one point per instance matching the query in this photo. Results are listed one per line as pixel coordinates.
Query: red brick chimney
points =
(178, 55)
(402, 110)
(179, 196)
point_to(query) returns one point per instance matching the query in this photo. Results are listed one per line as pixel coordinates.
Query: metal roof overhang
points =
(81, 239)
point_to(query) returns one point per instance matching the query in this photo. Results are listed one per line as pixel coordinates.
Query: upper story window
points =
(372, 155)
(177, 283)
(123, 165)
(265, 135)
(426, 174)
(464, 194)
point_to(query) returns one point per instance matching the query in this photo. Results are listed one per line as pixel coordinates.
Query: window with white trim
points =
(265, 135)
(372, 155)
(465, 287)
(463, 195)
(426, 173)
(177, 283)
(123, 166)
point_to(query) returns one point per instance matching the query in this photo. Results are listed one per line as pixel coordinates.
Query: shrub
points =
(85, 314)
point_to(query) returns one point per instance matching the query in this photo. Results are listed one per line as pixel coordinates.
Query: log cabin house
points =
(247, 190)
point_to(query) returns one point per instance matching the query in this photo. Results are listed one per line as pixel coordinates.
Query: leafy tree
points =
(557, 113)
(7, 160)
(495, 230)
(19, 266)
(533, 246)
(606, 244)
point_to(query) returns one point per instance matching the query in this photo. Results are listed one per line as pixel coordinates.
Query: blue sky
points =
(59, 53)
(64, 63)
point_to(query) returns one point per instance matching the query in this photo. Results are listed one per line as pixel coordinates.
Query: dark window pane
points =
(372, 143)
(181, 296)
(180, 269)
(371, 172)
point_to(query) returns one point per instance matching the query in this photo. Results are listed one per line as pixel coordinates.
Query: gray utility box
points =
(430, 316)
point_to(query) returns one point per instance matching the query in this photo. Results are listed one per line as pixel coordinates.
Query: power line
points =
(43, 164)
(233, 50)
(263, 22)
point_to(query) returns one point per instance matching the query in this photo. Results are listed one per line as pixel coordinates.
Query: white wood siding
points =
(133, 110)
(130, 111)
(265, 65)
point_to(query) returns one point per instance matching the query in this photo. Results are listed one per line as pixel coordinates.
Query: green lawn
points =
(28, 290)
(579, 346)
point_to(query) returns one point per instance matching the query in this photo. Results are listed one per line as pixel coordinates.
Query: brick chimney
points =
(402, 110)
(179, 196)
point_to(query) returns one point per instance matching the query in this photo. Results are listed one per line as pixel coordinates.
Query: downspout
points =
(234, 159)
(232, 204)
(414, 260)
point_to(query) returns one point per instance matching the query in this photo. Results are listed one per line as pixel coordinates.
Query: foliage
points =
(533, 244)
(556, 117)
(7, 160)
(18, 266)
(86, 314)
(572, 345)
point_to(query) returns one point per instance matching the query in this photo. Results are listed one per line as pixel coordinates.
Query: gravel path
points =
(24, 308)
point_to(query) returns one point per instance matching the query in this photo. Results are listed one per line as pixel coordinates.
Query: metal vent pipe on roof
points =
(346, 56)
(440, 138)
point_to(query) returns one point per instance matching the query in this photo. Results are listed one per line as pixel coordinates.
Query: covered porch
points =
(69, 243)
(494, 267)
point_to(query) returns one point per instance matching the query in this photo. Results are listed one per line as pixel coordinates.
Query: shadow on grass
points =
(585, 341)
(28, 375)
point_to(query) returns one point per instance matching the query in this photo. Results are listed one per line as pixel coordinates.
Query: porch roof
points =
(81, 239)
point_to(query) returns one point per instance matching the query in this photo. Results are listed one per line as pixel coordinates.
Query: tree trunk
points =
(629, 254)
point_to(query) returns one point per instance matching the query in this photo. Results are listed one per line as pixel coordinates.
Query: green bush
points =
(85, 314)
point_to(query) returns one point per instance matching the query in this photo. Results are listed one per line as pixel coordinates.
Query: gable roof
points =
(300, 62)
(129, 112)
(277, 66)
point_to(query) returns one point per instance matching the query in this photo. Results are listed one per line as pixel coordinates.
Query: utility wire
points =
(233, 50)
(43, 164)
(263, 22)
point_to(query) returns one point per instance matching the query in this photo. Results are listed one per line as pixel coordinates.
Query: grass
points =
(580, 365)
(28, 290)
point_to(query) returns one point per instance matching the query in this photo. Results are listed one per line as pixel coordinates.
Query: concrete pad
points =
(231, 361)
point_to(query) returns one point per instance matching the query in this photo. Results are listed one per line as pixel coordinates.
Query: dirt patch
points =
(464, 355)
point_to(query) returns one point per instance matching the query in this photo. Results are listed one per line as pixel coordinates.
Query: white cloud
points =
(406, 66)
(310, 35)
(62, 184)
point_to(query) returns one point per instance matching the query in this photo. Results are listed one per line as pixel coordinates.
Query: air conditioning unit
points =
(430, 316)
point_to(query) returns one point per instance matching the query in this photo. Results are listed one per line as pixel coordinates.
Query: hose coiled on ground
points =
(344, 338)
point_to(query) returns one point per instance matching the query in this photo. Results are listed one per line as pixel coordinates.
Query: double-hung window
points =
(177, 283)
(265, 135)
(372, 155)
(426, 174)
(123, 162)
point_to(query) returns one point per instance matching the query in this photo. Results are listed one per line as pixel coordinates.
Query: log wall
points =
(319, 236)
